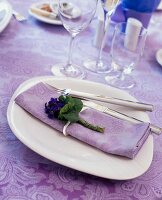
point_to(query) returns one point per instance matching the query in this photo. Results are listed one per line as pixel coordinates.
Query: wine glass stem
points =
(69, 62)
(99, 59)
(122, 76)
(106, 24)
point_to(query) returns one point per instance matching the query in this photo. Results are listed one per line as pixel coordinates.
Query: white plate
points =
(68, 151)
(48, 20)
(159, 56)
(6, 10)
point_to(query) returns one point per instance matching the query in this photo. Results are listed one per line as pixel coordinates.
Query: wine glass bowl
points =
(125, 56)
(109, 5)
(100, 65)
(69, 11)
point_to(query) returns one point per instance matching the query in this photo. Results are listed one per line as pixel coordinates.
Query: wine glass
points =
(125, 55)
(100, 65)
(75, 15)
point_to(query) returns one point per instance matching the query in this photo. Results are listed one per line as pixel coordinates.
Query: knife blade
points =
(155, 129)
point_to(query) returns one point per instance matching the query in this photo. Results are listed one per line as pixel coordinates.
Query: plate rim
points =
(7, 18)
(158, 55)
(44, 154)
(42, 18)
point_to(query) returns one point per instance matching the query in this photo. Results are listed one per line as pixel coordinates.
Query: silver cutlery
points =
(19, 17)
(155, 129)
(106, 99)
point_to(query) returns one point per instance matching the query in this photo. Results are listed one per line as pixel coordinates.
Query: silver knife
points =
(114, 113)
(101, 98)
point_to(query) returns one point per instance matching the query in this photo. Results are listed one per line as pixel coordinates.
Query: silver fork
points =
(19, 17)
(106, 99)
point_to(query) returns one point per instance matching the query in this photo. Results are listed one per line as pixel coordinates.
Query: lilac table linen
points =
(28, 50)
(120, 137)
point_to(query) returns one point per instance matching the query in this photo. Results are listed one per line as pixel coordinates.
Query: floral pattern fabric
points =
(29, 49)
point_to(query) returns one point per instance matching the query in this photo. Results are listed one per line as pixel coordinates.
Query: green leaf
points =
(71, 109)
(78, 105)
(62, 98)
(71, 116)
(67, 108)
(69, 99)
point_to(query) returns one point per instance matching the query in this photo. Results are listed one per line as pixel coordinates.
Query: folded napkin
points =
(120, 137)
(139, 9)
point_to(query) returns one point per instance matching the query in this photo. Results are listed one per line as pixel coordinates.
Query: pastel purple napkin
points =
(120, 137)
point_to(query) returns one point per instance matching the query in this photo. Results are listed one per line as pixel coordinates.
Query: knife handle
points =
(116, 101)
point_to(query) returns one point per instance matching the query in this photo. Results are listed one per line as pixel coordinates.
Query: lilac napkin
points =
(120, 137)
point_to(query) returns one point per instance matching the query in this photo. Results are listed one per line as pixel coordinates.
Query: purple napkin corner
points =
(120, 137)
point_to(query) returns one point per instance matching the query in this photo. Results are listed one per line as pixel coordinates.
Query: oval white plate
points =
(6, 7)
(69, 151)
(44, 19)
(159, 56)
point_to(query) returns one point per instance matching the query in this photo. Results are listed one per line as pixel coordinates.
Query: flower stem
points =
(91, 126)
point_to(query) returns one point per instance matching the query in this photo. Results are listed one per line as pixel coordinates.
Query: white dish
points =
(68, 151)
(159, 56)
(49, 20)
(6, 10)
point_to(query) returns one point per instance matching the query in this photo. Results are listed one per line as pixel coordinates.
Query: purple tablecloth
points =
(29, 49)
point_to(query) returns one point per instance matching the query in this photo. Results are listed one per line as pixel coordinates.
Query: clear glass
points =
(125, 56)
(100, 65)
(75, 15)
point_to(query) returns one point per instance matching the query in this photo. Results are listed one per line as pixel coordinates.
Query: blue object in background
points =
(141, 5)
(139, 9)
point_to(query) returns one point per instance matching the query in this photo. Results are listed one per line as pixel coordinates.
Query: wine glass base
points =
(73, 71)
(113, 73)
(126, 83)
(93, 66)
